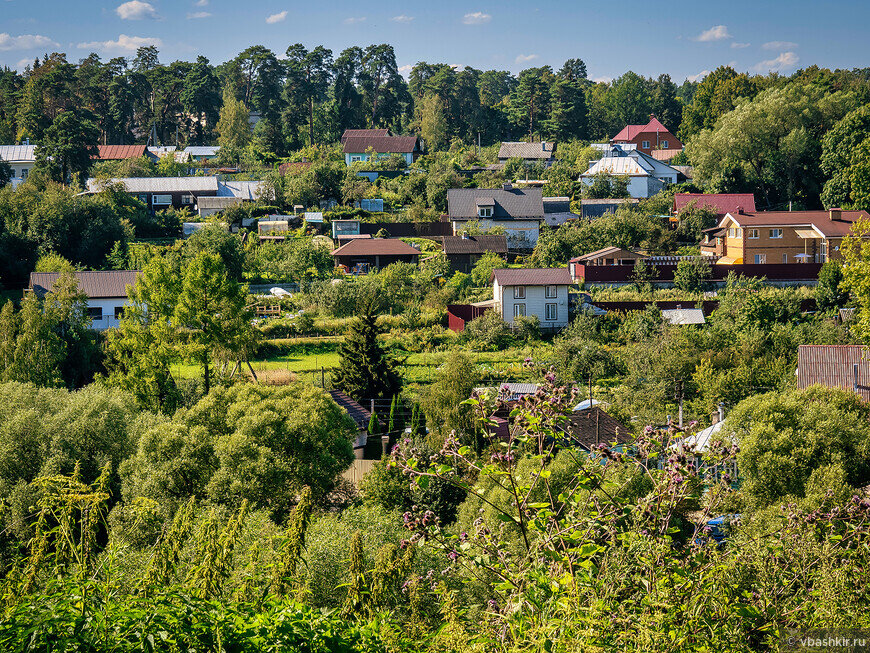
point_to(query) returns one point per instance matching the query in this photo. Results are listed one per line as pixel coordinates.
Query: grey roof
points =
(514, 150)
(246, 190)
(684, 316)
(607, 252)
(203, 150)
(160, 184)
(557, 204)
(111, 283)
(18, 152)
(516, 203)
(532, 277)
(217, 202)
(475, 244)
(513, 391)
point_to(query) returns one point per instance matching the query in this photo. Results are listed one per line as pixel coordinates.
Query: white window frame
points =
(775, 233)
(356, 158)
(551, 292)
(519, 310)
(731, 232)
(664, 145)
(760, 259)
(158, 200)
(484, 212)
(187, 199)
(823, 250)
(644, 145)
(519, 292)
(752, 234)
(551, 312)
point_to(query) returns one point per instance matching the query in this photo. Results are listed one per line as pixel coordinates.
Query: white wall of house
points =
(20, 171)
(107, 307)
(521, 234)
(534, 302)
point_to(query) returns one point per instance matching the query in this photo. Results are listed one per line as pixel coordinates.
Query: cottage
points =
(362, 255)
(106, 292)
(651, 136)
(542, 292)
(158, 193)
(202, 153)
(646, 176)
(463, 251)
(587, 428)
(543, 152)
(780, 236)
(835, 366)
(519, 211)
(21, 158)
(372, 144)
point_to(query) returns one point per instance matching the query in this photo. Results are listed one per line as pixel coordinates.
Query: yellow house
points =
(780, 236)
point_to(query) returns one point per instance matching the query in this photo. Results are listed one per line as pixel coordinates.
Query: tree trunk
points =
(206, 379)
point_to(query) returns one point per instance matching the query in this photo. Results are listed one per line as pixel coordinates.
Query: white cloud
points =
(737, 46)
(123, 44)
(353, 20)
(602, 80)
(198, 14)
(476, 18)
(201, 3)
(783, 61)
(136, 10)
(715, 33)
(21, 65)
(525, 58)
(779, 45)
(276, 18)
(697, 78)
(24, 41)
(402, 19)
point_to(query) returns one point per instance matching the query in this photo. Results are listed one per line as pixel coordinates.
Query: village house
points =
(106, 292)
(779, 236)
(542, 292)
(372, 144)
(202, 153)
(464, 251)
(204, 194)
(606, 256)
(363, 255)
(519, 211)
(21, 158)
(835, 366)
(543, 152)
(646, 176)
(651, 136)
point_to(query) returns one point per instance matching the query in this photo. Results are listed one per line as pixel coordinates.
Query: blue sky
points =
(684, 39)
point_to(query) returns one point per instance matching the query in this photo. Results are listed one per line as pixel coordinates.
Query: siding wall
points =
(535, 302)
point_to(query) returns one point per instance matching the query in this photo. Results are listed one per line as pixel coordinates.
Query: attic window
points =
(484, 211)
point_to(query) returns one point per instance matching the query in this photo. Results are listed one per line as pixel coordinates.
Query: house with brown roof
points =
(106, 292)
(372, 144)
(532, 291)
(835, 366)
(361, 255)
(586, 429)
(780, 236)
(606, 256)
(543, 152)
(651, 136)
(119, 152)
(463, 251)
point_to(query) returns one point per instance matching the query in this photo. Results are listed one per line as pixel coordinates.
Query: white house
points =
(106, 291)
(532, 291)
(646, 175)
(519, 211)
(21, 158)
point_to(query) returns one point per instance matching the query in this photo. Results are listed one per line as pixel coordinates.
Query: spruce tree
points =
(365, 369)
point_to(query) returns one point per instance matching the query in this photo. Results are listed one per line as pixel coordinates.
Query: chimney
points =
(721, 412)
(543, 146)
(507, 186)
(385, 445)
(835, 214)
(739, 210)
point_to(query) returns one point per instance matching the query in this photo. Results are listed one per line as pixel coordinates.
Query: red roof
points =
(630, 132)
(721, 203)
(376, 247)
(118, 152)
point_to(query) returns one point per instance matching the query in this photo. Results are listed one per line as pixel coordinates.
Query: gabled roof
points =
(607, 252)
(364, 133)
(721, 203)
(18, 153)
(475, 244)
(820, 221)
(833, 366)
(376, 247)
(518, 150)
(246, 190)
(202, 150)
(119, 152)
(111, 283)
(159, 184)
(532, 277)
(630, 132)
(629, 162)
(509, 203)
(589, 428)
(380, 144)
(357, 412)
(680, 316)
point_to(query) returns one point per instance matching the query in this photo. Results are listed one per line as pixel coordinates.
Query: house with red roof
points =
(651, 136)
(719, 203)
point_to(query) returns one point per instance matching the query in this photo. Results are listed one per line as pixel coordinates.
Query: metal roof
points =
(246, 190)
(159, 184)
(357, 412)
(684, 316)
(217, 202)
(588, 428)
(532, 277)
(835, 366)
(202, 150)
(630, 132)
(607, 252)
(119, 152)
(380, 144)
(519, 150)
(18, 153)
(111, 283)
(510, 203)
(376, 247)
(363, 133)
(475, 244)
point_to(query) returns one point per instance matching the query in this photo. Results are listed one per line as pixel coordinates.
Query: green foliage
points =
(605, 186)
(443, 401)
(488, 332)
(366, 370)
(829, 292)
(692, 275)
(215, 239)
(481, 273)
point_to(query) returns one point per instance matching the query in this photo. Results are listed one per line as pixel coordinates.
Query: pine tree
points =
(366, 370)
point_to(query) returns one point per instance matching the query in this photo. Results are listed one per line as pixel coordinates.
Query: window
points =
(355, 157)
(519, 292)
(161, 199)
(187, 199)
(823, 251)
(550, 292)
(776, 233)
(785, 258)
(142, 198)
(760, 259)
(551, 312)
(752, 233)
(664, 145)
(484, 212)
(119, 312)
(519, 310)
(24, 172)
(95, 313)
(644, 144)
